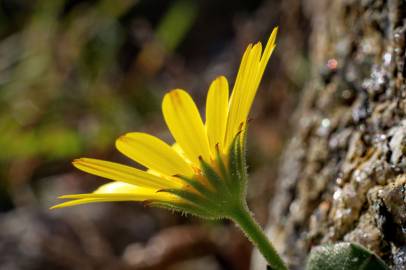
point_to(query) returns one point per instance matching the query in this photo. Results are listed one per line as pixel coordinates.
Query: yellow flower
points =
(203, 173)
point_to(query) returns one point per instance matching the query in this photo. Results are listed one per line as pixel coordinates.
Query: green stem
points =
(250, 227)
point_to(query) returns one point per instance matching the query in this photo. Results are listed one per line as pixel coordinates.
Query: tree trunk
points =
(343, 174)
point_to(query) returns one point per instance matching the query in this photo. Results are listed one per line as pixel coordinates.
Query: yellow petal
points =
(248, 78)
(85, 201)
(184, 122)
(241, 91)
(270, 46)
(153, 153)
(124, 188)
(216, 113)
(114, 192)
(123, 173)
(119, 189)
(136, 193)
(232, 117)
(180, 151)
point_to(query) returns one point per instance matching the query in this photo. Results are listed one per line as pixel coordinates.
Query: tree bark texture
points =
(343, 173)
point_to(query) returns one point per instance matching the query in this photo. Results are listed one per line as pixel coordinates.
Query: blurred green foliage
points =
(75, 74)
(61, 86)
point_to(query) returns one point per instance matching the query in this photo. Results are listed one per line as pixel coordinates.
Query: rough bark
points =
(342, 176)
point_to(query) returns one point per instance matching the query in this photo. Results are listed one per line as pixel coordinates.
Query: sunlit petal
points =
(116, 191)
(249, 76)
(180, 151)
(153, 153)
(83, 201)
(123, 173)
(241, 90)
(216, 113)
(184, 122)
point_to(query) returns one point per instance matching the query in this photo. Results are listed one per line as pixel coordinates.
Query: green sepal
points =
(213, 207)
(237, 164)
(194, 183)
(183, 208)
(189, 196)
(199, 187)
(221, 165)
(216, 181)
(344, 256)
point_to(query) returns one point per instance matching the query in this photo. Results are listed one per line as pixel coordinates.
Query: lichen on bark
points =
(343, 173)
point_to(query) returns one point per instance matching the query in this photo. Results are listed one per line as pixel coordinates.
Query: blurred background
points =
(76, 74)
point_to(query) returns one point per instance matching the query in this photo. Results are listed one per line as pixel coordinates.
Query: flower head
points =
(204, 172)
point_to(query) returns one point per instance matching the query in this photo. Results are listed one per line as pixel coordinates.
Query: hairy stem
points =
(243, 218)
